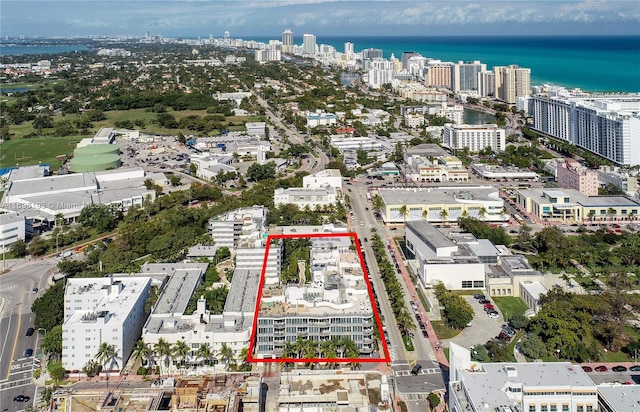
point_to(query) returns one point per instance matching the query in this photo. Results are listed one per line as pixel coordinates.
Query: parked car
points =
(494, 315)
(635, 368)
(30, 331)
(21, 398)
(601, 368)
(587, 368)
(28, 352)
(489, 306)
(619, 368)
(424, 333)
(484, 301)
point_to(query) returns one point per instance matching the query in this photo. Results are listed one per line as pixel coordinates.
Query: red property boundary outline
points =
(254, 329)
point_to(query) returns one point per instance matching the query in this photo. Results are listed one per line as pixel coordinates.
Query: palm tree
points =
(226, 354)
(482, 213)
(163, 349)
(591, 214)
(404, 321)
(244, 355)
(377, 202)
(181, 350)
(425, 214)
(59, 219)
(404, 211)
(140, 351)
(610, 213)
(329, 349)
(204, 352)
(444, 215)
(106, 354)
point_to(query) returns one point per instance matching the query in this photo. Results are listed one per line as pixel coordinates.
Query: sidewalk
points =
(436, 345)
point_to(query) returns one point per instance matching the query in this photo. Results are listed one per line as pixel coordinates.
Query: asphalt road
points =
(412, 388)
(16, 292)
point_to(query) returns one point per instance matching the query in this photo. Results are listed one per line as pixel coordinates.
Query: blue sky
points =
(321, 17)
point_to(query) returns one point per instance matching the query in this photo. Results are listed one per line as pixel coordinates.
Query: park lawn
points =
(443, 331)
(510, 305)
(41, 149)
(511, 346)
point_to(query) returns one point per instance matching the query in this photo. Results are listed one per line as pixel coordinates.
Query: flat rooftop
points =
(488, 386)
(429, 234)
(184, 278)
(439, 195)
(621, 397)
(243, 292)
(577, 197)
(115, 295)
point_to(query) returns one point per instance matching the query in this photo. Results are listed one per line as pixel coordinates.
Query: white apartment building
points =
(12, 229)
(319, 118)
(511, 82)
(97, 310)
(169, 320)
(414, 120)
(475, 137)
(518, 387)
(464, 75)
(487, 84)
(239, 227)
(268, 55)
(323, 178)
(619, 178)
(303, 197)
(605, 124)
(381, 72)
(287, 41)
(335, 303)
(309, 44)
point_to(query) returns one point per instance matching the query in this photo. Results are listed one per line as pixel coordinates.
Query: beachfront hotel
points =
(334, 304)
(605, 124)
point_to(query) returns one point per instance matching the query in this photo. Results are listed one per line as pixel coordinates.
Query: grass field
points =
(510, 305)
(443, 331)
(31, 151)
(19, 131)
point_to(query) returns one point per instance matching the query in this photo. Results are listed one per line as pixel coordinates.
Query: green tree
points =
(107, 355)
(533, 347)
(434, 400)
(181, 350)
(141, 352)
(226, 355)
(49, 308)
(37, 246)
(162, 348)
(258, 172)
(204, 353)
(52, 342)
(19, 249)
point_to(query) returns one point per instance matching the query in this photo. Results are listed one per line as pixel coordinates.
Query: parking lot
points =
(482, 328)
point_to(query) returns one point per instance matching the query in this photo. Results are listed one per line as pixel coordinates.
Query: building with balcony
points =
(605, 124)
(102, 310)
(303, 197)
(475, 137)
(170, 321)
(239, 228)
(323, 178)
(334, 304)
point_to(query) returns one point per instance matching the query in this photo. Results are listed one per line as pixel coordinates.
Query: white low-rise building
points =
(303, 197)
(442, 260)
(441, 204)
(170, 322)
(102, 310)
(41, 199)
(497, 173)
(239, 228)
(318, 118)
(323, 178)
(12, 229)
(522, 387)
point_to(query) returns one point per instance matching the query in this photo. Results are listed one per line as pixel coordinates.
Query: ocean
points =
(592, 63)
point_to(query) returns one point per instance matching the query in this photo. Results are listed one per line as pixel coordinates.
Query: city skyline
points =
(319, 17)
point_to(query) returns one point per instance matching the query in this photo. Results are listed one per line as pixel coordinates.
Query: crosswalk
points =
(424, 371)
